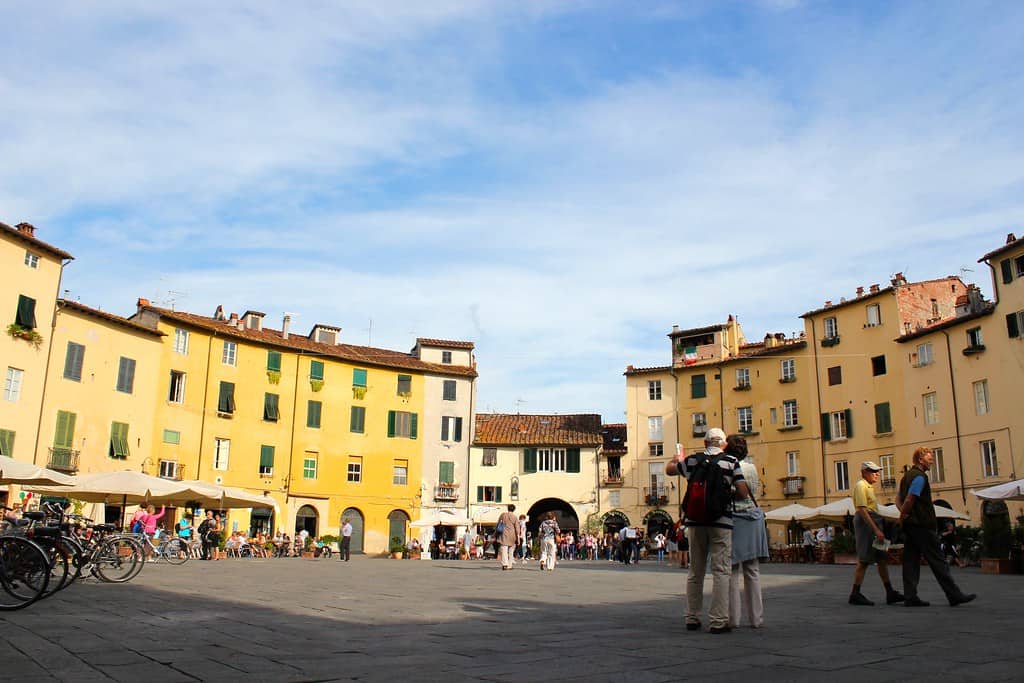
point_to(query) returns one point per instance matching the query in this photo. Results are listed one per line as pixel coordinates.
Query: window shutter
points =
(126, 375)
(446, 474)
(271, 411)
(698, 387)
(266, 456)
(414, 419)
(1007, 267)
(826, 427)
(7, 443)
(480, 494)
(358, 377)
(444, 429)
(1012, 326)
(497, 494)
(849, 422)
(572, 460)
(26, 315)
(313, 414)
(65, 433)
(226, 399)
(529, 460)
(316, 369)
(391, 424)
(458, 429)
(73, 361)
(883, 418)
(274, 360)
(357, 420)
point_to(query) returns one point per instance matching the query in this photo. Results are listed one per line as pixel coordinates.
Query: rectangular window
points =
(654, 390)
(181, 341)
(835, 375)
(742, 377)
(176, 393)
(924, 354)
(878, 365)
(883, 418)
(974, 339)
(792, 463)
(313, 409)
(7, 443)
(490, 457)
(1019, 266)
(74, 358)
(698, 387)
(488, 494)
(773, 416)
(931, 408)
(273, 361)
(448, 390)
(168, 469)
(31, 260)
(838, 426)
(172, 437)
(656, 450)
(831, 328)
(989, 460)
(358, 377)
(357, 420)
(402, 424)
(981, 405)
(888, 470)
(126, 375)
(614, 498)
(551, 460)
(654, 428)
(790, 416)
(266, 461)
(229, 355)
(309, 462)
(938, 472)
(271, 407)
(700, 424)
(316, 370)
(874, 314)
(446, 357)
(400, 473)
(355, 470)
(118, 440)
(12, 384)
(404, 387)
(1006, 266)
(1015, 324)
(446, 472)
(788, 370)
(226, 398)
(842, 476)
(451, 428)
(745, 419)
(25, 316)
(221, 453)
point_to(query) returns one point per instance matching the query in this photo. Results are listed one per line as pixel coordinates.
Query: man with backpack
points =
(713, 478)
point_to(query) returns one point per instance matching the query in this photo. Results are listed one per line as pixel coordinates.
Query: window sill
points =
(749, 433)
(791, 428)
(226, 416)
(882, 435)
(830, 341)
(741, 387)
(971, 350)
(841, 439)
(787, 380)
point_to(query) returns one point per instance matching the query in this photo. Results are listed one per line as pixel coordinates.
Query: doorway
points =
(355, 518)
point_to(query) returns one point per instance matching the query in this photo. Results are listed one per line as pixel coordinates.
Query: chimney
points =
(828, 303)
(860, 291)
(874, 289)
(140, 304)
(233, 320)
(675, 329)
(26, 229)
(285, 324)
(898, 279)
(1010, 239)
(219, 313)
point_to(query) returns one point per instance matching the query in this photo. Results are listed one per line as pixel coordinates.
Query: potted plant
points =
(396, 548)
(307, 548)
(996, 539)
(16, 331)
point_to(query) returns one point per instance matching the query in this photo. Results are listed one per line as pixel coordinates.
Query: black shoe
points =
(892, 597)
(962, 598)
(916, 602)
(720, 629)
(859, 599)
(693, 626)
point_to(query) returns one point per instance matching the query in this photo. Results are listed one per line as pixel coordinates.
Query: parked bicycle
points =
(170, 549)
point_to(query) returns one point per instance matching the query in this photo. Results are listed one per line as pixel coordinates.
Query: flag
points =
(689, 355)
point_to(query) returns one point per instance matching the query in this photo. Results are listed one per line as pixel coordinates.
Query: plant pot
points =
(414, 556)
(220, 554)
(845, 558)
(396, 556)
(996, 565)
(307, 554)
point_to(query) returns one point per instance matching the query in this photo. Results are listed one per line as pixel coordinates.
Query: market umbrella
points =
(790, 512)
(1012, 490)
(118, 488)
(19, 472)
(213, 496)
(843, 507)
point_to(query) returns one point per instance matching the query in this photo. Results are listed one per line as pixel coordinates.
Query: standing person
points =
(345, 551)
(521, 548)
(185, 530)
(683, 543)
(137, 525)
(149, 521)
(507, 535)
(659, 544)
(947, 543)
(548, 532)
(625, 546)
(711, 476)
(868, 535)
(808, 545)
(215, 533)
(749, 543)
(204, 534)
(917, 514)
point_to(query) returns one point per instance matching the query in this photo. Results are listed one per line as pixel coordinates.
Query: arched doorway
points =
(657, 521)
(261, 522)
(398, 522)
(613, 521)
(355, 518)
(565, 515)
(306, 518)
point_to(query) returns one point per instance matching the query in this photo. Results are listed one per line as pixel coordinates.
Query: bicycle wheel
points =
(24, 572)
(174, 551)
(60, 566)
(117, 560)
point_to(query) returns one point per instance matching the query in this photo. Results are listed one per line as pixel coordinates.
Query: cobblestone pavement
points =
(377, 619)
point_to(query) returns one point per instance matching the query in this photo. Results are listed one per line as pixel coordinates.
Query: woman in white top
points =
(749, 543)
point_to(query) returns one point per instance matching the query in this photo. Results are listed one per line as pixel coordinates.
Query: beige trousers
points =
(709, 546)
(750, 597)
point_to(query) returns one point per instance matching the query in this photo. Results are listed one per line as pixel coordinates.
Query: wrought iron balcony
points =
(446, 492)
(171, 470)
(888, 482)
(63, 459)
(793, 486)
(655, 497)
(613, 479)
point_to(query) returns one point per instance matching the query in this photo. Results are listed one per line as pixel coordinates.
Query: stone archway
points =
(398, 522)
(358, 522)
(658, 520)
(614, 520)
(565, 515)
(307, 518)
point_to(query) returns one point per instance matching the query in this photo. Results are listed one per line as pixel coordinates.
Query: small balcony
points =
(830, 341)
(446, 492)
(888, 482)
(655, 497)
(793, 486)
(171, 470)
(63, 459)
(612, 479)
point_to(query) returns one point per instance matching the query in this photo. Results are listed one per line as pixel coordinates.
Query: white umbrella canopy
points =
(1012, 490)
(839, 509)
(212, 496)
(789, 512)
(117, 488)
(19, 472)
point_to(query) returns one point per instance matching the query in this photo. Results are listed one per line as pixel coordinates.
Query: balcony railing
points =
(63, 459)
(655, 496)
(174, 473)
(614, 479)
(793, 486)
(888, 482)
(446, 492)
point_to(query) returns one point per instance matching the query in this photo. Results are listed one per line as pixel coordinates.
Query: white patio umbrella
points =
(839, 509)
(1011, 490)
(212, 496)
(122, 488)
(19, 472)
(790, 512)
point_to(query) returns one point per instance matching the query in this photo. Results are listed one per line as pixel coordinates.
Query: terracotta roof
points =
(364, 355)
(630, 370)
(988, 309)
(538, 430)
(35, 242)
(698, 330)
(108, 317)
(614, 439)
(444, 342)
(855, 300)
(759, 349)
(1009, 246)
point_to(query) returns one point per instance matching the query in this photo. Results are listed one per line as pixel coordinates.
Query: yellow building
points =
(30, 275)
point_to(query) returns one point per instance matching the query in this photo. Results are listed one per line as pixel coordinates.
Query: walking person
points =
(507, 535)
(548, 532)
(917, 515)
(868, 535)
(749, 543)
(808, 545)
(345, 551)
(711, 477)
(204, 535)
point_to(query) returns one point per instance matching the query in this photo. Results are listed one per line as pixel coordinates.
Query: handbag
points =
(500, 528)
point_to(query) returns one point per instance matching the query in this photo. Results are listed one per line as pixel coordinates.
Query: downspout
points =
(721, 394)
(956, 417)
(469, 447)
(206, 394)
(817, 390)
(679, 437)
(46, 368)
(291, 441)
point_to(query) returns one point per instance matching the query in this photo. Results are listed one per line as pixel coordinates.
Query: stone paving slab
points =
(384, 620)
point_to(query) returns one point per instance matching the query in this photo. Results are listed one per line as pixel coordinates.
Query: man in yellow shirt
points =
(867, 529)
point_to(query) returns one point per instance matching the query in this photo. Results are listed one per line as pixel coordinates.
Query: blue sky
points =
(558, 182)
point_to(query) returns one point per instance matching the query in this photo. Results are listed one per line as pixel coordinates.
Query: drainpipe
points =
(206, 394)
(679, 438)
(291, 442)
(46, 368)
(817, 389)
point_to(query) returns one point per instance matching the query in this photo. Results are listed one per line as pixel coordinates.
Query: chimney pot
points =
(285, 324)
(828, 303)
(1009, 238)
(26, 229)
(874, 289)
(860, 291)
(142, 303)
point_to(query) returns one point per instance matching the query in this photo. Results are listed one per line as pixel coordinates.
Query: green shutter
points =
(414, 420)
(357, 420)
(172, 437)
(73, 361)
(826, 427)
(572, 460)
(226, 399)
(883, 418)
(65, 434)
(458, 429)
(529, 460)
(446, 475)
(313, 414)
(316, 369)
(497, 494)
(698, 387)
(358, 377)
(391, 424)
(266, 457)
(271, 407)
(126, 375)
(1007, 267)
(118, 440)
(479, 494)
(7, 443)
(274, 360)
(849, 422)
(1012, 327)
(444, 429)
(26, 315)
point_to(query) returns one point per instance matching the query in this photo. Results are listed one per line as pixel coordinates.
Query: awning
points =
(1012, 490)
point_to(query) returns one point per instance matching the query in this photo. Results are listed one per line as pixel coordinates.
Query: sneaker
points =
(542, 566)
(693, 626)
(720, 629)
(893, 597)
(915, 602)
(859, 599)
(962, 598)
